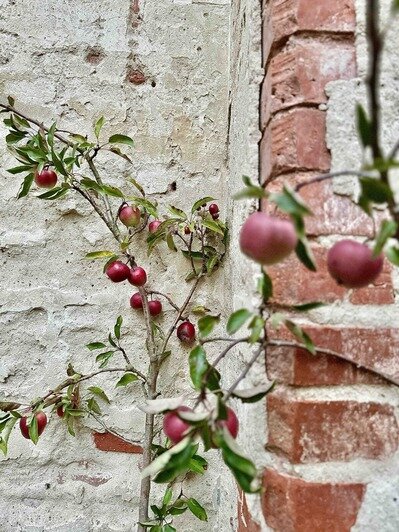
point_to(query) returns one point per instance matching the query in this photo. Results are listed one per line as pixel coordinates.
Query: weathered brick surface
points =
(294, 140)
(324, 431)
(305, 286)
(246, 523)
(293, 505)
(105, 441)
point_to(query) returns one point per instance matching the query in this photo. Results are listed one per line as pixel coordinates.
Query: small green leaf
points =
(201, 202)
(363, 126)
(177, 212)
(305, 254)
(99, 392)
(104, 358)
(5, 435)
(137, 185)
(170, 242)
(237, 320)
(98, 126)
(26, 186)
(251, 192)
(196, 509)
(34, 430)
(392, 254)
(54, 193)
(265, 286)
(206, 324)
(11, 101)
(387, 230)
(290, 202)
(253, 395)
(93, 406)
(90, 184)
(167, 497)
(126, 379)
(375, 191)
(121, 139)
(257, 326)
(112, 191)
(308, 306)
(19, 169)
(213, 226)
(95, 345)
(99, 255)
(301, 335)
(198, 366)
(117, 328)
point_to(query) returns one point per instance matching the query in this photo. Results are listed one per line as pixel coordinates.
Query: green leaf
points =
(99, 392)
(121, 139)
(78, 138)
(251, 192)
(117, 328)
(265, 286)
(201, 202)
(363, 126)
(11, 101)
(163, 460)
(117, 151)
(19, 169)
(95, 345)
(137, 185)
(237, 320)
(169, 528)
(374, 190)
(54, 193)
(301, 335)
(26, 186)
(170, 242)
(308, 306)
(253, 395)
(290, 202)
(177, 212)
(387, 230)
(167, 497)
(98, 126)
(34, 430)
(99, 255)
(213, 226)
(112, 191)
(206, 324)
(149, 207)
(196, 509)
(59, 166)
(395, 7)
(392, 254)
(198, 366)
(104, 358)
(126, 379)
(90, 184)
(5, 435)
(305, 254)
(257, 326)
(93, 406)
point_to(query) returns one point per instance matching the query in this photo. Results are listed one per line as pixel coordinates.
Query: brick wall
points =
(327, 415)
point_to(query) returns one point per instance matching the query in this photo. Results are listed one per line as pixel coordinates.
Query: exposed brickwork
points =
(324, 431)
(306, 45)
(245, 521)
(105, 441)
(292, 505)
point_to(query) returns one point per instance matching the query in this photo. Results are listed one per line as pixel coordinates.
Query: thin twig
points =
(169, 300)
(322, 351)
(331, 175)
(111, 431)
(245, 372)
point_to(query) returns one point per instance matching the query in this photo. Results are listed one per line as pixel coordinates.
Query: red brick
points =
(307, 431)
(136, 77)
(333, 214)
(374, 349)
(301, 71)
(105, 441)
(293, 141)
(290, 16)
(293, 505)
(245, 521)
(293, 284)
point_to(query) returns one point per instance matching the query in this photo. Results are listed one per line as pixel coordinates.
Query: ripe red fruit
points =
(137, 276)
(187, 230)
(60, 411)
(46, 178)
(213, 209)
(135, 301)
(231, 423)
(155, 307)
(129, 215)
(215, 216)
(351, 264)
(41, 424)
(266, 239)
(153, 226)
(117, 271)
(186, 332)
(173, 426)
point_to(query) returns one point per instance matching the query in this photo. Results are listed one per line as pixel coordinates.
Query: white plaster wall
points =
(52, 302)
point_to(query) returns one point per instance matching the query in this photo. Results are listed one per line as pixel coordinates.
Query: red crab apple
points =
(135, 301)
(187, 230)
(129, 215)
(137, 276)
(213, 209)
(46, 178)
(231, 423)
(352, 265)
(41, 424)
(155, 307)
(186, 332)
(267, 239)
(117, 271)
(60, 411)
(153, 226)
(173, 426)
